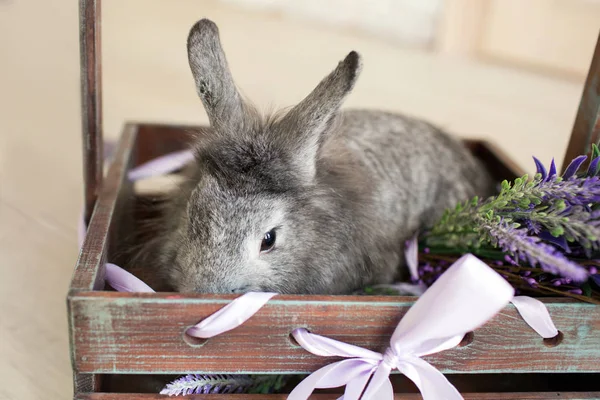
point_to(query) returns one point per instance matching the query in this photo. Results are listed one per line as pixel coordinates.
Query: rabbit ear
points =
(214, 83)
(317, 109)
(309, 120)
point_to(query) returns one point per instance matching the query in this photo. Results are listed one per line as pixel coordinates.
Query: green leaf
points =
(524, 203)
(518, 182)
(587, 289)
(595, 151)
(560, 205)
(501, 203)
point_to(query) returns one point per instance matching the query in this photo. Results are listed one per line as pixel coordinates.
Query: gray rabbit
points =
(313, 200)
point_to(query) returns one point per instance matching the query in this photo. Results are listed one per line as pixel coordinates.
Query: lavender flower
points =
(532, 250)
(536, 222)
(575, 191)
(204, 384)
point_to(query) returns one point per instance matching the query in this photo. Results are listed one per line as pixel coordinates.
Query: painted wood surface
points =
(586, 129)
(91, 101)
(89, 270)
(144, 333)
(403, 396)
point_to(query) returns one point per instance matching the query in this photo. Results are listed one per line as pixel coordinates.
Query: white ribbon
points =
(536, 315)
(465, 297)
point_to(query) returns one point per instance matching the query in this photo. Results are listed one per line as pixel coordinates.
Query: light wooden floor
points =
(276, 63)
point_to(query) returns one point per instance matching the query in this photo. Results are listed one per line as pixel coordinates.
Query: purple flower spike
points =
(574, 167)
(531, 282)
(532, 250)
(540, 168)
(593, 168)
(552, 172)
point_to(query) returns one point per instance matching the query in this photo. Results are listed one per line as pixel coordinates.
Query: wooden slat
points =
(143, 333)
(91, 101)
(90, 265)
(586, 129)
(155, 140)
(499, 164)
(402, 396)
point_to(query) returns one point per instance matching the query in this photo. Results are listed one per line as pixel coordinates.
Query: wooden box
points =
(115, 334)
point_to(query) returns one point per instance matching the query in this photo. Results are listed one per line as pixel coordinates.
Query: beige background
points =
(276, 61)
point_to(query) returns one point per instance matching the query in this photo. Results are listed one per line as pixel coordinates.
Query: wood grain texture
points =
(403, 396)
(91, 101)
(89, 269)
(586, 129)
(143, 333)
(499, 164)
(155, 140)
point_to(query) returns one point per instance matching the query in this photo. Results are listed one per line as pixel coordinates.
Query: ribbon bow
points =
(465, 297)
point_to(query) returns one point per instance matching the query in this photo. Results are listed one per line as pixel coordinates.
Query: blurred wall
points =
(410, 22)
(543, 36)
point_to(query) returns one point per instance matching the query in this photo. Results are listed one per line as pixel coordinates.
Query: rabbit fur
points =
(342, 189)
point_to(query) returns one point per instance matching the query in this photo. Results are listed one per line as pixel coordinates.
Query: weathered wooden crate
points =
(127, 335)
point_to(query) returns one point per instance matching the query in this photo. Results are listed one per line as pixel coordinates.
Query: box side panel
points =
(119, 333)
(89, 268)
(586, 129)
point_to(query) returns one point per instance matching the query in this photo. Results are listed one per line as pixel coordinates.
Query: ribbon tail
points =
(378, 388)
(432, 384)
(386, 391)
(333, 375)
(123, 281)
(355, 387)
(231, 316)
(161, 165)
(536, 315)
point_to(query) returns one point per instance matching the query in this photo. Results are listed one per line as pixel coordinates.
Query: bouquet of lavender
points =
(204, 384)
(542, 235)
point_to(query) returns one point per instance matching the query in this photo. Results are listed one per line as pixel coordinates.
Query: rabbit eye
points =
(268, 241)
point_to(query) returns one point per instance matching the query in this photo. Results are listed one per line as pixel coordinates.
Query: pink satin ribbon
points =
(231, 316)
(536, 315)
(465, 297)
(161, 165)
